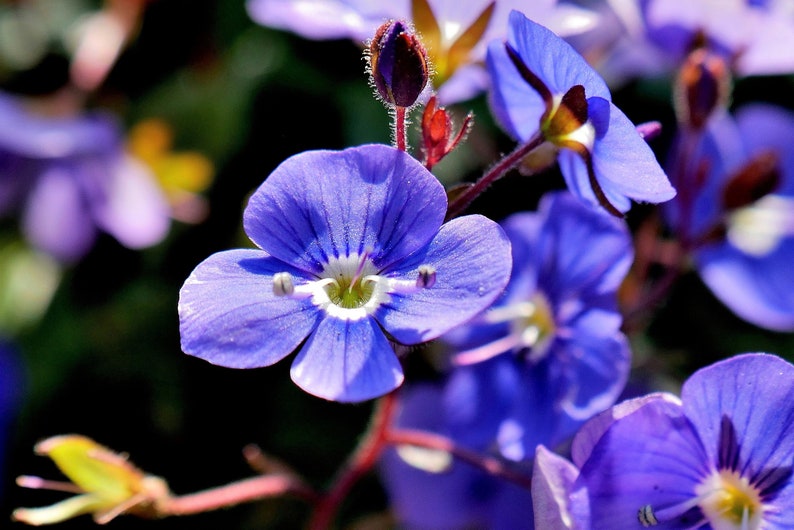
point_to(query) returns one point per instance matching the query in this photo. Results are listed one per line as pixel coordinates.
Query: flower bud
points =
(398, 64)
(703, 85)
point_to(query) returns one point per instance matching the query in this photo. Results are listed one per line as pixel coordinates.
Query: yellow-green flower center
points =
(729, 501)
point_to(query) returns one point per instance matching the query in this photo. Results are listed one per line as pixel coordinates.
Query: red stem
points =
(462, 201)
(360, 462)
(247, 490)
(399, 128)
(430, 440)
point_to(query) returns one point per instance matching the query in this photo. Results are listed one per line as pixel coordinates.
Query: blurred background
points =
(92, 346)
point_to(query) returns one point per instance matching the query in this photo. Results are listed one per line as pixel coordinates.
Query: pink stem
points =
(399, 128)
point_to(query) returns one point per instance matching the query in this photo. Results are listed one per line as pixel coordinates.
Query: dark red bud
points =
(398, 64)
(759, 177)
(703, 85)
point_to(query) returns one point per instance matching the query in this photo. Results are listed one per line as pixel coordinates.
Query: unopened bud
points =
(398, 64)
(437, 138)
(703, 85)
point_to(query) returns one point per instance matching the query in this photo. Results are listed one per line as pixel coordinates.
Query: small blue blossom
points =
(549, 354)
(542, 87)
(352, 254)
(720, 457)
(736, 214)
(70, 178)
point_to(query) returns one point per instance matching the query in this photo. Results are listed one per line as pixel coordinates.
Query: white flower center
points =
(759, 228)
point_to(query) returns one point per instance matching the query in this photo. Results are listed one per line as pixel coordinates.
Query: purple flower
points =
(551, 356)
(543, 88)
(455, 33)
(553, 350)
(736, 211)
(70, 178)
(721, 457)
(352, 254)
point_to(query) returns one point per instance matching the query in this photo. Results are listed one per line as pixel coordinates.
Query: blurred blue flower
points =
(721, 457)
(736, 211)
(455, 33)
(430, 489)
(352, 253)
(549, 354)
(546, 357)
(753, 37)
(70, 178)
(542, 86)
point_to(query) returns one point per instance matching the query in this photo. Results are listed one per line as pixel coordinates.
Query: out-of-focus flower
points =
(70, 178)
(432, 489)
(553, 352)
(454, 33)
(542, 86)
(183, 175)
(106, 483)
(720, 457)
(351, 245)
(751, 37)
(736, 211)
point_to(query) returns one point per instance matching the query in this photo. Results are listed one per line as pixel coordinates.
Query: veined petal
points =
(652, 456)
(347, 360)
(591, 432)
(755, 393)
(552, 481)
(625, 165)
(552, 59)
(229, 315)
(471, 256)
(322, 204)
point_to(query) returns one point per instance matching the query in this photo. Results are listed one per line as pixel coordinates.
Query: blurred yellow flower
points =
(107, 484)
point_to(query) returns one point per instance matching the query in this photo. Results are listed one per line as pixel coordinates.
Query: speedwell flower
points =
(720, 458)
(352, 253)
(542, 87)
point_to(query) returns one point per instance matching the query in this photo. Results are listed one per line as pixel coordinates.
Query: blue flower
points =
(549, 354)
(736, 211)
(352, 254)
(542, 86)
(70, 179)
(721, 457)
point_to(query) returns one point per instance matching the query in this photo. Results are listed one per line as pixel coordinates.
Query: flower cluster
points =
(512, 348)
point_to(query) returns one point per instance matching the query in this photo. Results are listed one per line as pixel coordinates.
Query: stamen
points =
(362, 262)
(283, 284)
(38, 483)
(427, 276)
(646, 516)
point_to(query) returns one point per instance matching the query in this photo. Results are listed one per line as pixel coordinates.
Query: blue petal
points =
(552, 481)
(347, 360)
(471, 256)
(228, 314)
(755, 393)
(758, 289)
(625, 165)
(552, 59)
(581, 252)
(652, 456)
(322, 204)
